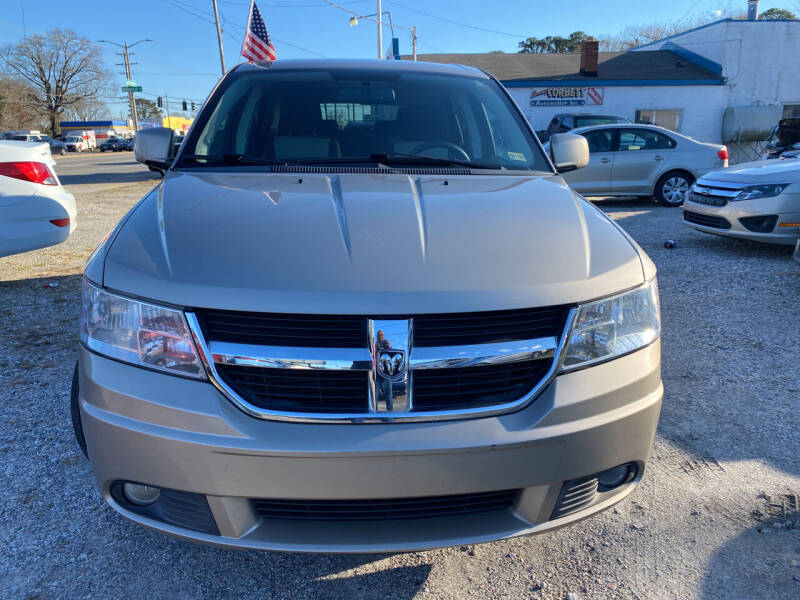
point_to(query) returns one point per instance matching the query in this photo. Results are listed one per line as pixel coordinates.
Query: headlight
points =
(611, 327)
(137, 333)
(752, 192)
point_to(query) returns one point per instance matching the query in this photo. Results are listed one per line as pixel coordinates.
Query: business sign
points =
(567, 96)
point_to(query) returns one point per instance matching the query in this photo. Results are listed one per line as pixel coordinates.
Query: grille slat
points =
(298, 391)
(706, 220)
(385, 508)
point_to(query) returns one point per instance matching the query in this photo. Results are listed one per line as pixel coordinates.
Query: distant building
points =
(105, 129)
(685, 82)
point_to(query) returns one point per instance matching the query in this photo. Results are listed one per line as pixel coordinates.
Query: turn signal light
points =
(723, 154)
(34, 172)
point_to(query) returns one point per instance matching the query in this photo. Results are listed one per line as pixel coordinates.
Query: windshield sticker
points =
(516, 156)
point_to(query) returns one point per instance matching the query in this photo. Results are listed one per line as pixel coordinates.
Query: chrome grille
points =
(318, 372)
(714, 193)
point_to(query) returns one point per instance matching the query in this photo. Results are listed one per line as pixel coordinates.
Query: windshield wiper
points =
(390, 158)
(397, 158)
(233, 159)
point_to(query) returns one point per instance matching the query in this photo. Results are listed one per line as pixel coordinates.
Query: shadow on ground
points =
(93, 178)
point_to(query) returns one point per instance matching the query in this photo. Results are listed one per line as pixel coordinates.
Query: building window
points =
(668, 119)
(791, 111)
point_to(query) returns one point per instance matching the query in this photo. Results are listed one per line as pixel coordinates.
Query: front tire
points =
(673, 188)
(75, 412)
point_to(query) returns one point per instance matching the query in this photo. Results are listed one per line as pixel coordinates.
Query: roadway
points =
(101, 168)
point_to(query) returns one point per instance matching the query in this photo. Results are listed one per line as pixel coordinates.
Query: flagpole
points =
(247, 28)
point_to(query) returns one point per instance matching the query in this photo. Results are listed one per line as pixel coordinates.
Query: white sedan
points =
(35, 210)
(643, 160)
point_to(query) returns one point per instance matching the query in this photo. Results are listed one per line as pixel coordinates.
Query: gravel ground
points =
(716, 516)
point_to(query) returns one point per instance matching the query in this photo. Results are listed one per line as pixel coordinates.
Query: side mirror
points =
(153, 147)
(569, 151)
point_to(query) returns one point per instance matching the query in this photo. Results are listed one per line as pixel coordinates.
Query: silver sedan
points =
(643, 160)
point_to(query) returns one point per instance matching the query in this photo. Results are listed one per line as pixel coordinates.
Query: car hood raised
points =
(773, 170)
(368, 244)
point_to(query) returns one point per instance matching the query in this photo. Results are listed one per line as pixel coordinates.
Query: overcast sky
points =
(183, 60)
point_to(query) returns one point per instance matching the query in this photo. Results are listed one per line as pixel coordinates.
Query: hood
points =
(368, 244)
(760, 171)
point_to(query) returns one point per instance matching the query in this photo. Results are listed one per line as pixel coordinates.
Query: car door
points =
(595, 178)
(641, 157)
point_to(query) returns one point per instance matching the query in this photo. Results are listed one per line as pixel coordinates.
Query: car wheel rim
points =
(675, 190)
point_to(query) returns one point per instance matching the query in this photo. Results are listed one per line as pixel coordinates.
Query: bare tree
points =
(61, 67)
(87, 109)
(638, 35)
(16, 111)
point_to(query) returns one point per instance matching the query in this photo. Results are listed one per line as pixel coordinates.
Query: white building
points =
(685, 82)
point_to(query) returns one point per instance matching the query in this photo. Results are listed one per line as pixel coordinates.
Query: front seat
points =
(300, 132)
(417, 125)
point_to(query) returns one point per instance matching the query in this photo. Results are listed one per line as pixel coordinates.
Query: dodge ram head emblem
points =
(390, 379)
(391, 362)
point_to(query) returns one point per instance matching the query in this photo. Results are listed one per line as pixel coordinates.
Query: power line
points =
(459, 23)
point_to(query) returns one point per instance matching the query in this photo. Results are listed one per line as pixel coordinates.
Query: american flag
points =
(257, 44)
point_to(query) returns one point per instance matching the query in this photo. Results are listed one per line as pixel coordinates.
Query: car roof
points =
(626, 126)
(357, 64)
(591, 115)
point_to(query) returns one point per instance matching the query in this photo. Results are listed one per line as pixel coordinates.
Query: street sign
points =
(131, 88)
(130, 83)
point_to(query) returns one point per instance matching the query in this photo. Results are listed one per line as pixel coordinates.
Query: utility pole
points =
(126, 57)
(380, 31)
(127, 63)
(219, 36)
(169, 118)
(414, 42)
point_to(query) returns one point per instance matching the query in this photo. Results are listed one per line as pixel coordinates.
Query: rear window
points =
(590, 121)
(317, 116)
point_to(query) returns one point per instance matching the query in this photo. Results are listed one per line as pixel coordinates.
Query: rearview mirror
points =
(569, 152)
(153, 147)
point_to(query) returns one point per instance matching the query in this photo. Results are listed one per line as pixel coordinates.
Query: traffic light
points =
(159, 102)
(184, 105)
(193, 106)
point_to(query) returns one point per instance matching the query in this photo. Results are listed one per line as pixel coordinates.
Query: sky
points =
(183, 62)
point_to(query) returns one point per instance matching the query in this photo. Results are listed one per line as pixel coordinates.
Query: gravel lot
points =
(716, 516)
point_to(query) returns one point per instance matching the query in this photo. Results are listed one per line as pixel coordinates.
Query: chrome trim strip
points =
(287, 357)
(366, 417)
(448, 357)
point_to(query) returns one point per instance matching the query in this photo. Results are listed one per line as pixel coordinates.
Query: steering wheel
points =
(460, 152)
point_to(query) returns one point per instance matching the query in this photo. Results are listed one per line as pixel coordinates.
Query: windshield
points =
(74, 139)
(320, 116)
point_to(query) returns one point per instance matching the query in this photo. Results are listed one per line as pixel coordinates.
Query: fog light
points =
(615, 477)
(140, 494)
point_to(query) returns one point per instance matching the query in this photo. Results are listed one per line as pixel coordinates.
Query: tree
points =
(777, 14)
(147, 110)
(17, 112)
(61, 67)
(553, 44)
(87, 109)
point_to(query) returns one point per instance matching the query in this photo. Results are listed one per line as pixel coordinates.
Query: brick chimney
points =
(589, 57)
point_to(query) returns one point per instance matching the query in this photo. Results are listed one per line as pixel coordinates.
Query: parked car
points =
(757, 201)
(128, 144)
(796, 253)
(177, 142)
(784, 138)
(643, 160)
(250, 329)
(565, 122)
(56, 145)
(112, 144)
(35, 211)
(25, 137)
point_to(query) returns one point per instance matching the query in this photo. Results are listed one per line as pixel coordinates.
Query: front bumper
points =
(786, 206)
(174, 433)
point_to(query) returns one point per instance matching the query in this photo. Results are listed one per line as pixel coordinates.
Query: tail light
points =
(35, 172)
(60, 222)
(723, 154)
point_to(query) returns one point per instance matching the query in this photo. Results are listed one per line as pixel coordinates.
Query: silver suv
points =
(363, 312)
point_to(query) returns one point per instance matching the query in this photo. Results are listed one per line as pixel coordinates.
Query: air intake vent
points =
(385, 508)
(576, 495)
(369, 170)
